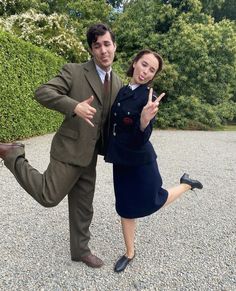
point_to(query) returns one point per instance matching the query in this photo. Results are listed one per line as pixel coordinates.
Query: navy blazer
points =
(127, 144)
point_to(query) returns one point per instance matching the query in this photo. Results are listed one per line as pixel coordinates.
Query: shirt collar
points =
(102, 73)
(134, 86)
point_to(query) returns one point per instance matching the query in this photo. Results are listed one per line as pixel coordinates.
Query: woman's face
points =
(145, 69)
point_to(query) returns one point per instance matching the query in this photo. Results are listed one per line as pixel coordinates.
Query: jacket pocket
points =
(68, 132)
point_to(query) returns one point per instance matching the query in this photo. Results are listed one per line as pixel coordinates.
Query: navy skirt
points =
(138, 190)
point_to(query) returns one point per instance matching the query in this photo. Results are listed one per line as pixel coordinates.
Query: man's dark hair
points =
(97, 30)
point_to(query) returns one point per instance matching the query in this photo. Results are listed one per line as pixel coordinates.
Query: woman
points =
(137, 181)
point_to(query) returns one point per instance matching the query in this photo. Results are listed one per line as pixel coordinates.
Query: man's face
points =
(103, 51)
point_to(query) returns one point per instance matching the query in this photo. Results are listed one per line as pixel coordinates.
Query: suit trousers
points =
(53, 185)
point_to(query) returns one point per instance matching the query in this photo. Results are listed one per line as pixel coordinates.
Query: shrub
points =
(188, 112)
(23, 67)
(54, 32)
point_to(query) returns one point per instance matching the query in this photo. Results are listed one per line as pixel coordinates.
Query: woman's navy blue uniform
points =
(137, 181)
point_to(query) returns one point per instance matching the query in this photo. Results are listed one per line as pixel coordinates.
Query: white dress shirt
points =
(102, 73)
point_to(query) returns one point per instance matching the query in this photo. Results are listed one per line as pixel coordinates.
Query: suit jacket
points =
(75, 140)
(128, 145)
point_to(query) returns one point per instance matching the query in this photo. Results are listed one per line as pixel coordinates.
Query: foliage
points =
(188, 112)
(23, 67)
(59, 26)
(205, 57)
(118, 3)
(11, 7)
(75, 8)
(209, 6)
(199, 55)
(185, 6)
(131, 34)
(54, 32)
(220, 9)
(88, 12)
(196, 38)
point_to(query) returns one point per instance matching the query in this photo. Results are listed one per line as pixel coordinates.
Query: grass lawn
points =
(227, 128)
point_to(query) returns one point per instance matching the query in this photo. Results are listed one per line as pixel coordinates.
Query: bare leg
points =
(176, 192)
(129, 225)
(128, 228)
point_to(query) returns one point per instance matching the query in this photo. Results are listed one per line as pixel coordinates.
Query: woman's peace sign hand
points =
(150, 109)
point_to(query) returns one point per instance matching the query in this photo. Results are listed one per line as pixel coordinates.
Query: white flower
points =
(54, 32)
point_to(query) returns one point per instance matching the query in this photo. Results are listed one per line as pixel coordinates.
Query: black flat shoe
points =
(193, 183)
(122, 263)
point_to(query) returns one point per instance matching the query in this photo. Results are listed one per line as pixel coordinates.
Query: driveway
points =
(189, 245)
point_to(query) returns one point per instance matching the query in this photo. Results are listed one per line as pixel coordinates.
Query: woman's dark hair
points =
(97, 30)
(130, 70)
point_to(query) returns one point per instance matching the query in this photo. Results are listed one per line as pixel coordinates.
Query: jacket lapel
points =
(126, 93)
(115, 87)
(93, 79)
(140, 92)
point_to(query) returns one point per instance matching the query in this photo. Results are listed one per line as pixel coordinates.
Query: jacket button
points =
(114, 129)
(118, 104)
(115, 113)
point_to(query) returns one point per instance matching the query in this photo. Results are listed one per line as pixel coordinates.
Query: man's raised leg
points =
(48, 188)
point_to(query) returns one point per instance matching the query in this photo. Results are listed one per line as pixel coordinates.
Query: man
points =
(77, 92)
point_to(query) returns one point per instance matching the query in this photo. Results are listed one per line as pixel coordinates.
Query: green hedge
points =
(23, 67)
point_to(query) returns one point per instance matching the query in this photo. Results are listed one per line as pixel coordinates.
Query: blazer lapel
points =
(140, 92)
(126, 93)
(93, 79)
(115, 87)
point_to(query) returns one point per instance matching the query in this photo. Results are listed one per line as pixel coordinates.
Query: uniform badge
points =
(128, 121)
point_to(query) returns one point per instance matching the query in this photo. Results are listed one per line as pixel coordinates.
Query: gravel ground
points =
(189, 245)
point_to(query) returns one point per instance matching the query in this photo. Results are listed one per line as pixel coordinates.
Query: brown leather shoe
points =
(5, 148)
(92, 261)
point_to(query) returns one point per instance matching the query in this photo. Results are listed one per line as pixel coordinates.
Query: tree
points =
(11, 7)
(185, 6)
(200, 58)
(64, 37)
(206, 57)
(116, 3)
(54, 32)
(209, 6)
(227, 10)
(88, 12)
(131, 34)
